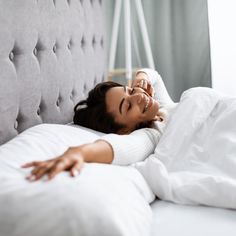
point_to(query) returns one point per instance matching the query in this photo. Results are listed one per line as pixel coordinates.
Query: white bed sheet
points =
(174, 219)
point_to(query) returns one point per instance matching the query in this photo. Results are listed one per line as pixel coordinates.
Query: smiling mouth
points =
(147, 101)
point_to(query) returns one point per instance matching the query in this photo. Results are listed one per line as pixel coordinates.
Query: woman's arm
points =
(72, 160)
(111, 148)
(141, 80)
(133, 147)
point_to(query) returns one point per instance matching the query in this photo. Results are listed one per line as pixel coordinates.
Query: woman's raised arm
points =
(161, 93)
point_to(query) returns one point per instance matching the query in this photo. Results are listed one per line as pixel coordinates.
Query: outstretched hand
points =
(68, 161)
(141, 80)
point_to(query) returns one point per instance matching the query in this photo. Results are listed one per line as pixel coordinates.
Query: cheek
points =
(137, 116)
(154, 108)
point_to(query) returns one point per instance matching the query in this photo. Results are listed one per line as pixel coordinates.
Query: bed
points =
(52, 52)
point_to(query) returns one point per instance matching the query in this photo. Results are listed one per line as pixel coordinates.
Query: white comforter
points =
(195, 160)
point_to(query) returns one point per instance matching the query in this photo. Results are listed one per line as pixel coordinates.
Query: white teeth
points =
(147, 103)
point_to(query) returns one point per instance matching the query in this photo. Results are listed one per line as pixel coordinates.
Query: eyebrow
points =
(122, 101)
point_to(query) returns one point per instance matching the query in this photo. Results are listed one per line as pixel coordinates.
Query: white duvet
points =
(103, 200)
(195, 160)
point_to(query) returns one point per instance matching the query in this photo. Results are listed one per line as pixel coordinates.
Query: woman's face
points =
(131, 106)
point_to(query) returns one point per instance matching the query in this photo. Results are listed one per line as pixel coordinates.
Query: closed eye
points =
(131, 91)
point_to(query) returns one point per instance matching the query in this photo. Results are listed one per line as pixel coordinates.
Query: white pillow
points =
(102, 200)
(98, 133)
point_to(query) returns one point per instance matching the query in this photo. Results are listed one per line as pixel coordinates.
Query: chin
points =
(156, 104)
(152, 111)
(155, 107)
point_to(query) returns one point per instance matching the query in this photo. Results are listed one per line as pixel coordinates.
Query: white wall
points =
(222, 26)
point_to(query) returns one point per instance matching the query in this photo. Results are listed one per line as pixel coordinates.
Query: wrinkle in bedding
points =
(195, 160)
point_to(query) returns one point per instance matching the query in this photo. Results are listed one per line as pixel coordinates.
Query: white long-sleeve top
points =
(137, 146)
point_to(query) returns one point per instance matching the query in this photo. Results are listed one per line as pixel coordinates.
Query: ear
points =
(159, 118)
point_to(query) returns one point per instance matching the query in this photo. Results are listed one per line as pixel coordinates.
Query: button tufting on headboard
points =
(35, 51)
(54, 48)
(82, 42)
(16, 125)
(71, 96)
(58, 102)
(43, 41)
(38, 111)
(94, 42)
(11, 56)
(102, 42)
(69, 45)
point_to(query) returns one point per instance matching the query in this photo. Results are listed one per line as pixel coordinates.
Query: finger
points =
(141, 82)
(35, 170)
(32, 176)
(58, 167)
(145, 84)
(75, 170)
(150, 90)
(42, 171)
(135, 84)
(55, 170)
(39, 166)
(31, 164)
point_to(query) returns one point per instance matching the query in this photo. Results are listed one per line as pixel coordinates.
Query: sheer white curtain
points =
(179, 35)
(222, 20)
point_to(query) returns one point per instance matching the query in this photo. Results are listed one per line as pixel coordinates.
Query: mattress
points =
(103, 200)
(173, 219)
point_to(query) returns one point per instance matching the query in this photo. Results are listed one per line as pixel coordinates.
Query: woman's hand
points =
(141, 80)
(70, 160)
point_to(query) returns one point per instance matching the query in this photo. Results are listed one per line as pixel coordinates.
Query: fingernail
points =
(75, 172)
(31, 177)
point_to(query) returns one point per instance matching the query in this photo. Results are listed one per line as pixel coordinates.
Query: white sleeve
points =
(134, 147)
(161, 93)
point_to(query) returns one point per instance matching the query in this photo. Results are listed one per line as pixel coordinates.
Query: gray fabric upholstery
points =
(52, 52)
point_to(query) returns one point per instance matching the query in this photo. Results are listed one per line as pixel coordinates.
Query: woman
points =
(117, 109)
(193, 163)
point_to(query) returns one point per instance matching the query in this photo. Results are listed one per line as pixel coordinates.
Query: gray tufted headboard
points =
(52, 52)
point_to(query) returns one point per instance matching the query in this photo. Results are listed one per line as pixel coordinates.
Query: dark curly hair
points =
(92, 112)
